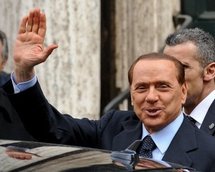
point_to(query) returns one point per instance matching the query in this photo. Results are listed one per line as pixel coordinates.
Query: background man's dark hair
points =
(204, 42)
(3, 39)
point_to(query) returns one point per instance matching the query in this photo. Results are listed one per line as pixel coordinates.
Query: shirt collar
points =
(164, 137)
(200, 111)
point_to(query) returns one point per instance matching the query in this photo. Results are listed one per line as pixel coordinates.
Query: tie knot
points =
(148, 143)
(146, 147)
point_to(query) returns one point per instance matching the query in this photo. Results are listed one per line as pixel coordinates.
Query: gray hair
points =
(204, 42)
(3, 39)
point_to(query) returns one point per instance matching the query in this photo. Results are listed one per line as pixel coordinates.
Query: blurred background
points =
(98, 40)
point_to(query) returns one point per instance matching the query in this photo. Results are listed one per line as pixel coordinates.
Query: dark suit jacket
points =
(4, 77)
(11, 126)
(208, 124)
(116, 130)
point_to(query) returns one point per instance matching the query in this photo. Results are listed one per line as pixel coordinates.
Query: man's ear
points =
(184, 92)
(2, 65)
(132, 103)
(131, 97)
(209, 72)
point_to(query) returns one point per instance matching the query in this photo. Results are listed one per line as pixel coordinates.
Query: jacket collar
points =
(208, 124)
(132, 130)
(179, 147)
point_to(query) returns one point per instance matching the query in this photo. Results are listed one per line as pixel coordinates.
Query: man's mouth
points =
(153, 111)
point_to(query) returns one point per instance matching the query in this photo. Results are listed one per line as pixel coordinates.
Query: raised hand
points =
(29, 49)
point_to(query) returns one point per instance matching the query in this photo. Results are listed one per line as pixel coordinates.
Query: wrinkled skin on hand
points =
(29, 49)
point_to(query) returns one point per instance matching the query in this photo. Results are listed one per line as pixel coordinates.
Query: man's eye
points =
(162, 86)
(141, 88)
(186, 66)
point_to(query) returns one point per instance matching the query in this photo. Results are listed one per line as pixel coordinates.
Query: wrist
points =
(23, 75)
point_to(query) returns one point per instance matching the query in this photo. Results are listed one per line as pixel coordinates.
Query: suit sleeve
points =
(46, 124)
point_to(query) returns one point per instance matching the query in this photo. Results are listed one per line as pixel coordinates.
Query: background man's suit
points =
(115, 131)
(208, 124)
(11, 126)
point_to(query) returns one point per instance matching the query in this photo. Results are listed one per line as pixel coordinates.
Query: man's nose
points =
(152, 95)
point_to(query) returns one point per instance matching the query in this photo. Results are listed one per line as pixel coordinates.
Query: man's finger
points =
(42, 25)
(49, 49)
(30, 21)
(36, 22)
(22, 27)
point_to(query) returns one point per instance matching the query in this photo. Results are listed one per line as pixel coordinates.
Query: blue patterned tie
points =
(146, 147)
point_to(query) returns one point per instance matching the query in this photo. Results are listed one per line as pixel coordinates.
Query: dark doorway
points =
(202, 12)
(108, 68)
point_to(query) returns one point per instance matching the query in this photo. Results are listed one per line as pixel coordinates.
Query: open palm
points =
(29, 49)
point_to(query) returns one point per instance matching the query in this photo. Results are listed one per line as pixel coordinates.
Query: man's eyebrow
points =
(162, 82)
(155, 82)
(140, 83)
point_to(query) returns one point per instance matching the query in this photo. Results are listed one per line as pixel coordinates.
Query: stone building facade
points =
(70, 77)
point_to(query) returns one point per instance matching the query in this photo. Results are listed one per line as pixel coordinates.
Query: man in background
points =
(4, 77)
(196, 50)
(10, 125)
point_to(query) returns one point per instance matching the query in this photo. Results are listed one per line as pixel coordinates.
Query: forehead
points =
(154, 69)
(183, 52)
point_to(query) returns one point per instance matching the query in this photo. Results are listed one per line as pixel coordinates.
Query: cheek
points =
(174, 105)
(137, 99)
(137, 102)
(193, 75)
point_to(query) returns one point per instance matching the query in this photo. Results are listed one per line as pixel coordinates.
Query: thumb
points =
(48, 50)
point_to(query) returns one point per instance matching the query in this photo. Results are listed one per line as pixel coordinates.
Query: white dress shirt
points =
(201, 109)
(163, 138)
(23, 85)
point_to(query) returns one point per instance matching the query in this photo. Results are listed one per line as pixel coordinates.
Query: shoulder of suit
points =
(120, 115)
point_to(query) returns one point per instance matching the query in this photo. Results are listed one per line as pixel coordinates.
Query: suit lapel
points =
(208, 124)
(131, 131)
(183, 142)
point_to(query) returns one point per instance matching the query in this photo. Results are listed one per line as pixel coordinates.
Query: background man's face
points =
(186, 54)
